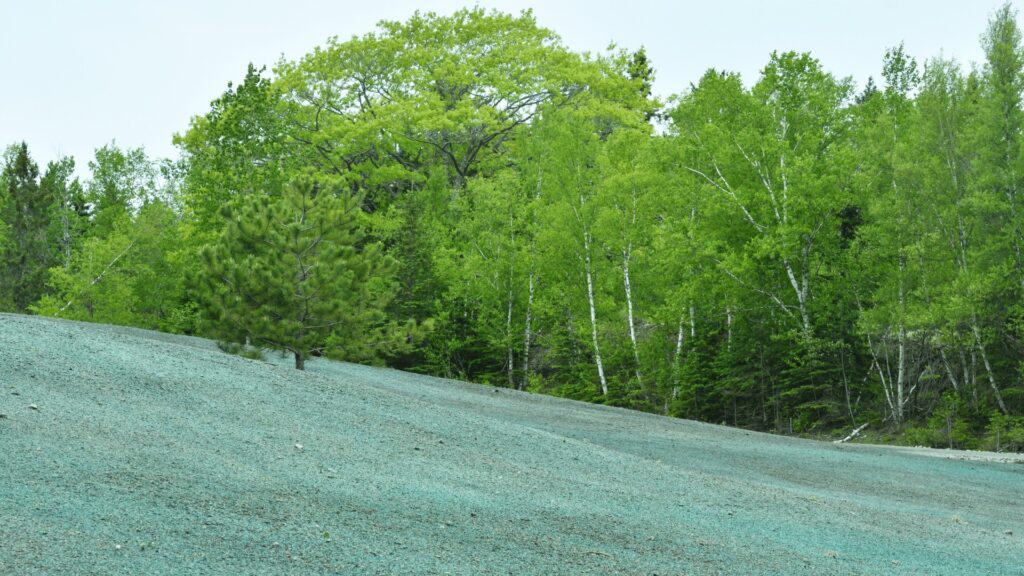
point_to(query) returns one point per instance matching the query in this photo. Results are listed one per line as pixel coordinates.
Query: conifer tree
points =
(26, 213)
(294, 273)
(641, 72)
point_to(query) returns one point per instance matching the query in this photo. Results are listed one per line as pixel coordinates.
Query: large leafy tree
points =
(890, 244)
(749, 148)
(121, 180)
(434, 90)
(488, 276)
(998, 129)
(240, 147)
(997, 201)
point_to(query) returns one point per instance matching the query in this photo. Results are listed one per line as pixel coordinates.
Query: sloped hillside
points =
(131, 452)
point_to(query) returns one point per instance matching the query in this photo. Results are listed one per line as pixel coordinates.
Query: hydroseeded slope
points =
(156, 454)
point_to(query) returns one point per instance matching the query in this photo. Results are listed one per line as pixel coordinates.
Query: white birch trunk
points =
(901, 372)
(527, 335)
(528, 329)
(801, 297)
(679, 342)
(593, 313)
(949, 370)
(65, 222)
(676, 357)
(511, 300)
(885, 382)
(508, 337)
(856, 432)
(728, 328)
(629, 310)
(988, 368)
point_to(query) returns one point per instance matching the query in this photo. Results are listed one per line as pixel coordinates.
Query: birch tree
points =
(568, 222)
(764, 154)
(624, 221)
(891, 241)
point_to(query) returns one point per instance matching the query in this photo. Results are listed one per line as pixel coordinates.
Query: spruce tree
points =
(26, 214)
(641, 72)
(294, 273)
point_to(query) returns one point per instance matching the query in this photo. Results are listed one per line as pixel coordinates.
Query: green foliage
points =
(433, 92)
(26, 218)
(70, 210)
(784, 255)
(131, 275)
(1005, 433)
(234, 150)
(947, 427)
(294, 273)
(121, 181)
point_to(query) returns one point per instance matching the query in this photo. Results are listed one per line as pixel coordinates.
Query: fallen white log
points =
(856, 432)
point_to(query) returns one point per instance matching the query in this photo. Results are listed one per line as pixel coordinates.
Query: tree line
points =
(465, 196)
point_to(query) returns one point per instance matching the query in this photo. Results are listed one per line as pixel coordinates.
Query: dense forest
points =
(462, 195)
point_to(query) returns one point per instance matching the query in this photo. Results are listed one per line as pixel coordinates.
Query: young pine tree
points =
(293, 272)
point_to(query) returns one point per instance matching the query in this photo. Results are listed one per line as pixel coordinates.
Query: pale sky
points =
(77, 74)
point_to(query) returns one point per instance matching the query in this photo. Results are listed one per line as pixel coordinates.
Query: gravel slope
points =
(154, 454)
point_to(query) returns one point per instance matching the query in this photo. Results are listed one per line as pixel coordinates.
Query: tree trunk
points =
(988, 369)
(511, 301)
(593, 314)
(901, 335)
(66, 235)
(527, 335)
(679, 348)
(300, 361)
(728, 328)
(528, 328)
(801, 297)
(626, 254)
(971, 375)
(949, 370)
(675, 364)
(875, 363)
(901, 372)
(856, 432)
(508, 338)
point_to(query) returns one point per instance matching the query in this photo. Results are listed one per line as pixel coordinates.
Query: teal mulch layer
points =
(124, 451)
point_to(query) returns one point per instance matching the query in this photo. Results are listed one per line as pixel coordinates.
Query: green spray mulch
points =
(131, 452)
